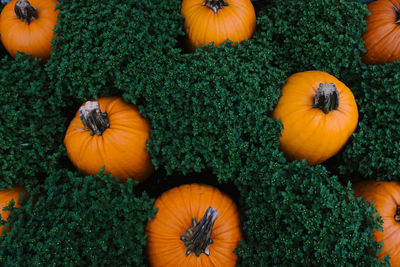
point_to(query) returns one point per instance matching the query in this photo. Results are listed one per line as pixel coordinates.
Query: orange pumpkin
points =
(386, 197)
(318, 113)
(109, 133)
(383, 32)
(215, 21)
(28, 27)
(5, 197)
(195, 225)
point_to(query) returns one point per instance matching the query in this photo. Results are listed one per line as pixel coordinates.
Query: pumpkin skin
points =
(175, 210)
(121, 148)
(6, 196)
(206, 23)
(383, 32)
(386, 196)
(33, 38)
(309, 132)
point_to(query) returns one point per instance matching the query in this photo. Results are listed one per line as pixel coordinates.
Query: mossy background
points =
(209, 112)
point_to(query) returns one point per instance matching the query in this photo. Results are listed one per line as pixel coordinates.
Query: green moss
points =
(32, 124)
(374, 151)
(210, 113)
(79, 221)
(98, 40)
(300, 215)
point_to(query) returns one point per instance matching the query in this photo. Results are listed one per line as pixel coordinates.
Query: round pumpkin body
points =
(382, 37)
(318, 113)
(119, 147)
(386, 198)
(30, 34)
(180, 208)
(6, 196)
(209, 21)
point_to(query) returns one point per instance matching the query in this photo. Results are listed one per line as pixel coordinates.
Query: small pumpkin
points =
(215, 21)
(27, 26)
(6, 196)
(195, 225)
(318, 113)
(110, 133)
(381, 39)
(386, 197)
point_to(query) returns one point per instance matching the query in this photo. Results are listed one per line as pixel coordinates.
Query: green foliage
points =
(216, 108)
(79, 221)
(322, 35)
(98, 39)
(210, 112)
(32, 126)
(302, 216)
(374, 152)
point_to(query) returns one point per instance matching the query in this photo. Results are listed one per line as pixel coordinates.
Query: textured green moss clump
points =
(32, 124)
(79, 221)
(210, 117)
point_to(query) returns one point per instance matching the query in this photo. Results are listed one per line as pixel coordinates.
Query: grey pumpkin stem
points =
(25, 11)
(397, 11)
(397, 215)
(214, 5)
(197, 237)
(327, 97)
(93, 119)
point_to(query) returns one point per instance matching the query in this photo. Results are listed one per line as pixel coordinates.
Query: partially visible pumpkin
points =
(215, 21)
(195, 225)
(381, 39)
(318, 113)
(386, 197)
(6, 196)
(110, 133)
(27, 26)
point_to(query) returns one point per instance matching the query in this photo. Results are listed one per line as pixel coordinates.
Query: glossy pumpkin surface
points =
(5, 197)
(33, 38)
(176, 209)
(121, 148)
(382, 37)
(209, 21)
(309, 132)
(386, 198)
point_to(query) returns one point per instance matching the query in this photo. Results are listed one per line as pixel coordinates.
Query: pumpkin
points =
(381, 39)
(195, 225)
(109, 133)
(215, 21)
(27, 26)
(386, 198)
(318, 113)
(6, 196)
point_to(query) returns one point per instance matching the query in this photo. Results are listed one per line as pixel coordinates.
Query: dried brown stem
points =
(397, 11)
(25, 11)
(214, 5)
(92, 118)
(197, 237)
(327, 97)
(397, 215)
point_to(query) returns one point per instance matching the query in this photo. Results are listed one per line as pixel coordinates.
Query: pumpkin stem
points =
(327, 97)
(397, 215)
(197, 237)
(25, 11)
(214, 5)
(93, 119)
(397, 21)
